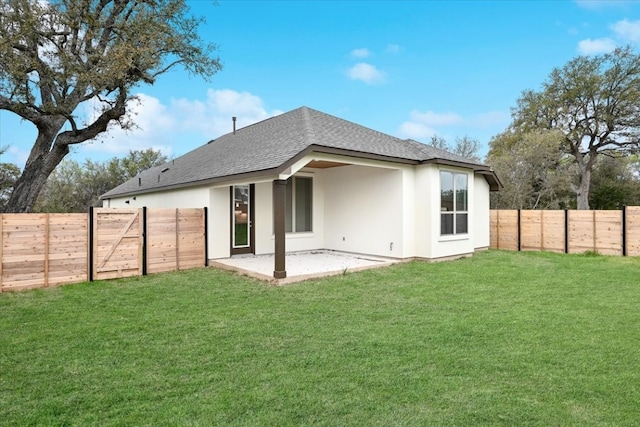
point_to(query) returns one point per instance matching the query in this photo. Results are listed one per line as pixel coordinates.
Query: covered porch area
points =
(302, 265)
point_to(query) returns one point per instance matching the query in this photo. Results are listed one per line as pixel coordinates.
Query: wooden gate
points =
(117, 243)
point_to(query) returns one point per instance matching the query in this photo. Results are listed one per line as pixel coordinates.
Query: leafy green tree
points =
(74, 188)
(536, 174)
(123, 169)
(9, 173)
(595, 103)
(613, 183)
(58, 55)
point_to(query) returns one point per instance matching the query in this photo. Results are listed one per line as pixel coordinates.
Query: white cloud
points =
(361, 53)
(595, 46)
(212, 117)
(627, 30)
(423, 125)
(152, 122)
(183, 124)
(416, 130)
(366, 72)
(490, 119)
(430, 118)
(17, 155)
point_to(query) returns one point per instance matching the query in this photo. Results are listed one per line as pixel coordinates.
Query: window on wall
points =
(299, 205)
(454, 216)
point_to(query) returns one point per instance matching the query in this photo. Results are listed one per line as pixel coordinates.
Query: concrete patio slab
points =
(302, 265)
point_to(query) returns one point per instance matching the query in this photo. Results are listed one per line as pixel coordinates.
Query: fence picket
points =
(40, 250)
(613, 232)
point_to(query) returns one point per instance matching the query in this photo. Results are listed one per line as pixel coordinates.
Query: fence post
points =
(206, 236)
(144, 241)
(90, 244)
(519, 231)
(566, 231)
(624, 230)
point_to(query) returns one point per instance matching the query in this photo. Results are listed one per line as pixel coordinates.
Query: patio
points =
(302, 265)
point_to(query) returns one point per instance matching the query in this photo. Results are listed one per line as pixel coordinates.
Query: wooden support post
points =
(279, 206)
(566, 231)
(90, 245)
(205, 214)
(145, 258)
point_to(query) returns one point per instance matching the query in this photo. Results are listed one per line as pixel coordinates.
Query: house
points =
(306, 180)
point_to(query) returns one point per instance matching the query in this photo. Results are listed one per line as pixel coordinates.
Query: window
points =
(453, 203)
(298, 205)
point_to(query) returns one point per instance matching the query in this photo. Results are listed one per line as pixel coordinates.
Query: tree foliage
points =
(595, 103)
(614, 183)
(74, 188)
(56, 55)
(9, 173)
(535, 172)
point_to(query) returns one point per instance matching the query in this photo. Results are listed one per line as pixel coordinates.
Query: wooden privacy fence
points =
(615, 232)
(41, 250)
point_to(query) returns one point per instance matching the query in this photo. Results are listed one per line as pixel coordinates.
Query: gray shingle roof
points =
(267, 145)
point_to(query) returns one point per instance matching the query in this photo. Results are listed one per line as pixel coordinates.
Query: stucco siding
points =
(481, 213)
(219, 223)
(409, 214)
(363, 210)
(184, 198)
(424, 196)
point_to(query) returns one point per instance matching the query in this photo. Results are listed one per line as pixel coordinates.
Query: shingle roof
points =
(267, 145)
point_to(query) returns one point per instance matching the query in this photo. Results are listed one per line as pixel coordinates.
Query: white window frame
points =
(455, 212)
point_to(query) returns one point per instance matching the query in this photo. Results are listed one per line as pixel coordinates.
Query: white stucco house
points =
(306, 180)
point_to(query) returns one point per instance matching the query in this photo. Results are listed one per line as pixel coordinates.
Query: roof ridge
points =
(308, 126)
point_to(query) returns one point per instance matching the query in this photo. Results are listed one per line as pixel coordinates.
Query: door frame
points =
(251, 247)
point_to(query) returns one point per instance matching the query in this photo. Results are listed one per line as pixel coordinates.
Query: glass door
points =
(241, 219)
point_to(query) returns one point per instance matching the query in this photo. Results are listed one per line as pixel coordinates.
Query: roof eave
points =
(486, 171)
(315, 148)
(209, 181)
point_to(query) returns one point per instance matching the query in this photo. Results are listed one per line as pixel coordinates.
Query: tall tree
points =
(613, 183)
(533, 169)
(9, 173)
(57, 55)
(74, 188)
(595, 103)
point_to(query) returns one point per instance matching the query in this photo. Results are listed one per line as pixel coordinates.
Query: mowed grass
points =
(501, 338)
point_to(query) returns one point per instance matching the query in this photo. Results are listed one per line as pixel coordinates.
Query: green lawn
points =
(501, 338)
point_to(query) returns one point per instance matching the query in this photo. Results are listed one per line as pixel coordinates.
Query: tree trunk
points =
(583, 189)
(41, 162)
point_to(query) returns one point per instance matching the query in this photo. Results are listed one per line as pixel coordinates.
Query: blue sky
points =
(411, 69)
